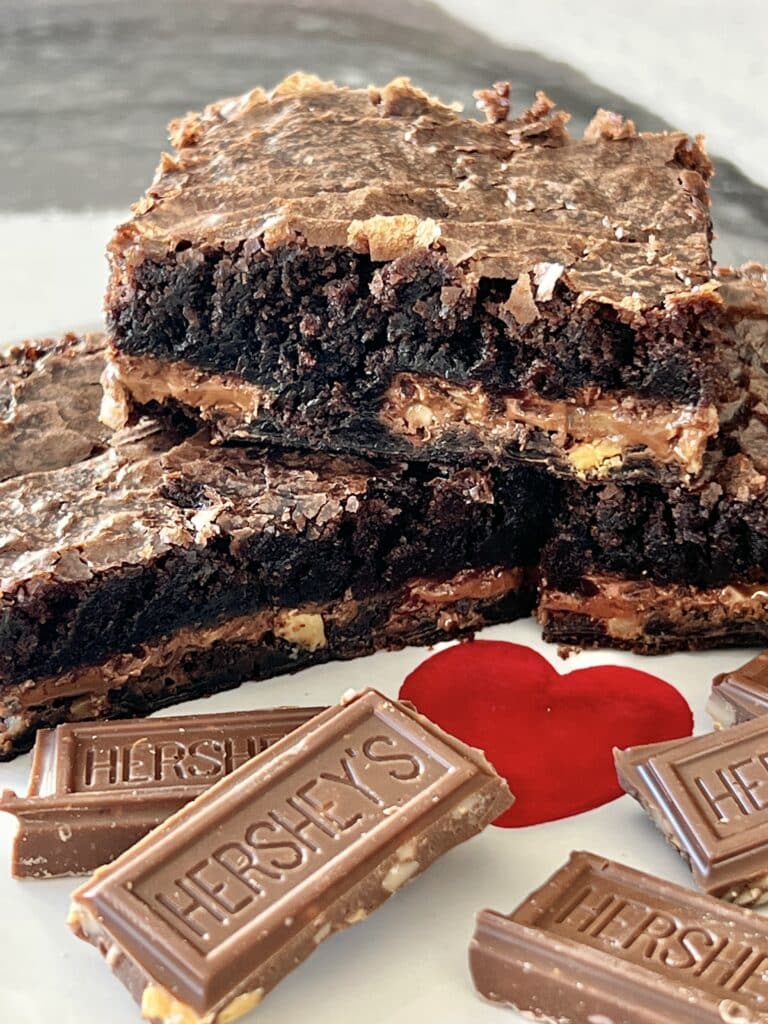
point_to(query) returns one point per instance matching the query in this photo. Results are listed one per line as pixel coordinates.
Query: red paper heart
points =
(550, 735)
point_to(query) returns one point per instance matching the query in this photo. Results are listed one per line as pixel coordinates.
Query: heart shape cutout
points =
(550, 735)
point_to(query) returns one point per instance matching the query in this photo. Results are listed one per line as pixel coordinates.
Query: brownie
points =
(162, 567)
(50, 393)
(646, 617)
(197, 663)
(652, 568)
(368, 271)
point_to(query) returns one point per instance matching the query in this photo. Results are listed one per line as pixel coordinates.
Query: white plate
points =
(408, 962)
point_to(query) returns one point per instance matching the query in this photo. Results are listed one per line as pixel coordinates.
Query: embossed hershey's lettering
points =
(285, 835)
(167, 762)
(735, 790)
(639, 933)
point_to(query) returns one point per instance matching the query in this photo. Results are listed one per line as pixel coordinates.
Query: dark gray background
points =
(87, 86)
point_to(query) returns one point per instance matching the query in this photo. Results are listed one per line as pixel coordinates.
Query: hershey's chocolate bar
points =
(709, 797)
(96, 788)
(210, 911)
(740, 695)
(600, 942)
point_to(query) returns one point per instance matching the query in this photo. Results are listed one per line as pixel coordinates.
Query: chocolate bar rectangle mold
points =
(709, 796)
(207, 913)
(96, 788)
(600, 942)
(742, 694)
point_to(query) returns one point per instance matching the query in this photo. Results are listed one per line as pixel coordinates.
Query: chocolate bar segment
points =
(742, 694)
(709, 796)
(211, 910)
(96, 789)
(600, 942)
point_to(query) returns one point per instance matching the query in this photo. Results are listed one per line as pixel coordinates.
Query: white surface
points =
(698, 63)
(408, 962)
(54, 271)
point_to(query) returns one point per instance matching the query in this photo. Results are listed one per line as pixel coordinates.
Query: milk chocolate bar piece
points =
(600, 942)
(96, 789)
(210, 911)
(366, 270)
(709, 797)
(742, 694)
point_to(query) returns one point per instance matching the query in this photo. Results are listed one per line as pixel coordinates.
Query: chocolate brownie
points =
(650, 570)
(50, 393)
(161, 567)
(367, 271)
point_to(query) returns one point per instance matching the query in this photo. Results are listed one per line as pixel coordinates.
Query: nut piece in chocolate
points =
(600, 943)
(211, 910)
(709, 797)
(96, 788)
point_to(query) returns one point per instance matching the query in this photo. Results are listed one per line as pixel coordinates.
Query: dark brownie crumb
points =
(705, 536)
(329, 328)
(286, 530)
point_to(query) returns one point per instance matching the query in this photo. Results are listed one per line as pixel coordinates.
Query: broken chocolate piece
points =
(708, 795)
(600, 942)
(211, 910)
(96, 789)
(742, 694)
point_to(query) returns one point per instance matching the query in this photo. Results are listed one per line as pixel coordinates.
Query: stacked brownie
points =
(366, 358)
(651, 568)
(151, 566)
(367, 271)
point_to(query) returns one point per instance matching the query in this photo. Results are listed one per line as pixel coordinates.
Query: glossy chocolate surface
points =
(97, 788)
(600, 942)
(235, 890)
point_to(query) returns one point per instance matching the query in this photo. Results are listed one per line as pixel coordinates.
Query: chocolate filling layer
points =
(591, 437)
(649, 617)
(190, 661)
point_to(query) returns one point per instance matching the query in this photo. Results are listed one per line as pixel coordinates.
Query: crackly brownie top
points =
(50, 393)
(622, 217)
(146, 494)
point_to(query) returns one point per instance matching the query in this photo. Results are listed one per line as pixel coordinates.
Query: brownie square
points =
(368, 271)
